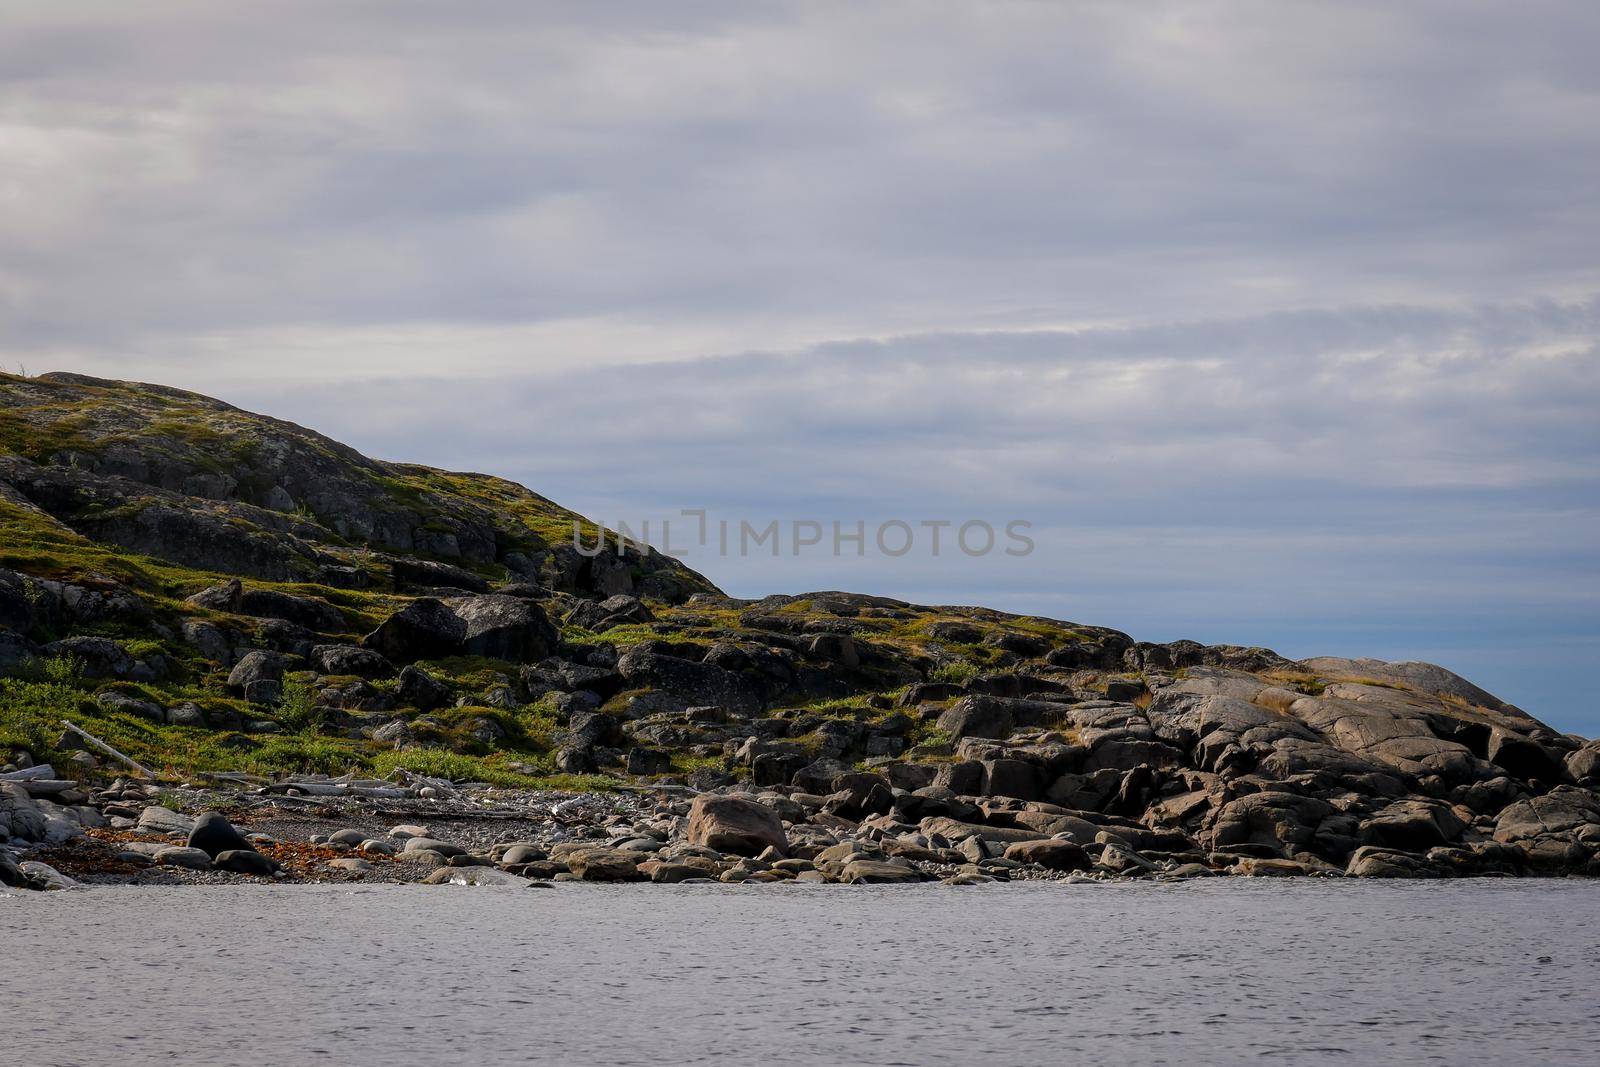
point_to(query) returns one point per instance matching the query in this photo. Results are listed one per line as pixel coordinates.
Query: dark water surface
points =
(1216, 971)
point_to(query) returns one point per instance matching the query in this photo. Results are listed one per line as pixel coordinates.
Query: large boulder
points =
(258, 676)
(1371, 861)
(15, 650)
(977, 717)
(231, 596)
(619, 610)
(735, 824)
(1391, 728)
(864, 871)
(20, 817)
(491, 625)
(1413, 825)
(1012, 778)
(954, 830)
(214, 835)
(1563, 811)
(605, 865)
(1525, 758)
(1282, 822)
(1584, 764)
(97, 657)
(1051, 853)
(504, 627)
(421, 690)
(1425, 677)
(112, 701)
(350, 660)
(246, 861)
(426, 628)
(695, 683)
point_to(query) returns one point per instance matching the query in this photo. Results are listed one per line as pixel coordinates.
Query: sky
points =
(1277, 321)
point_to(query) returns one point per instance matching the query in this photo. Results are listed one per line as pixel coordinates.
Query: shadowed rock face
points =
(171, 563)
(185, 478)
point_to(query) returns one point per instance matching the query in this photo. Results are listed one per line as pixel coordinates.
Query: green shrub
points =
(956, 672)
(311, 755)
(297, 709)
(438, 763)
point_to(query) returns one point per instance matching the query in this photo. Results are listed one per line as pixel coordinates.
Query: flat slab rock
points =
(476, 876)
(159, 820)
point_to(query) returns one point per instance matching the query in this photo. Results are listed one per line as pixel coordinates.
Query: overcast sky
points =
(1278, 321)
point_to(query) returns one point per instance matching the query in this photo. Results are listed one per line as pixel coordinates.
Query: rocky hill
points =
(209, 590)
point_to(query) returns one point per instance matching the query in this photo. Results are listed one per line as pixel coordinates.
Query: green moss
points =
(41, 431)
(686, 763)
(306, 753)
(470, 672)
(438, 764)
(633, 633)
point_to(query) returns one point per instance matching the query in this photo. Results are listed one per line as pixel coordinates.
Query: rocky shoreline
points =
(343, 657)
(324, 830)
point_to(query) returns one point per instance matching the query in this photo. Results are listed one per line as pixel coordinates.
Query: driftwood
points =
(331, 789)
(47, 787)
(96, 743)
(29, 774)
(237, 777)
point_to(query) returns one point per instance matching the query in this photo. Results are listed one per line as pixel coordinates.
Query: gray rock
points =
(1372, 862)
(183, 856)
(350, 660)
(1051, 853)
(498, 627)
(122, 703)
(861, 871)
(214, 835)
(1283, 822)
(421, 690)
(309, 612)
(396, 732)
(247, 861)
(208, 639)
(253, 668)
(604, 865)
(1412, 825)
(1584, 764)
(158, 820)
(187, 714)
(1563, 810)
(977, 717)
(44, 876)
(518, 854)
(697, 683)
(99, 657)
(21, 818)
(429, 844)
(476, 876)
(423, 858)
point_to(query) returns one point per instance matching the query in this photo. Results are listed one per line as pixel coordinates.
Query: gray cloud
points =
(1278, 318)
(856, 167)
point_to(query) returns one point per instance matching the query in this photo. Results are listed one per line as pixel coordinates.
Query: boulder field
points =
(251, 624)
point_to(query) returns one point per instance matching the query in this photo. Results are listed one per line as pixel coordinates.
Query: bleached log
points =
(28, 774)
(96, 743)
